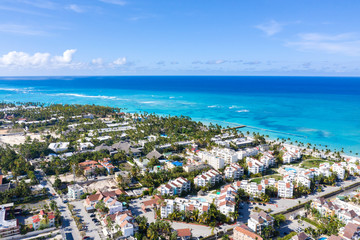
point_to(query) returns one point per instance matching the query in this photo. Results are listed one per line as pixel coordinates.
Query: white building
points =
(113, 204)
(226, 201)
(267, 159)
(7, 227)
(123, 220)
(339, 170)
(249, 152)
(234, 171)
(181, 204)
(59, 146)
(75, 191)
(254, 165)
(175, 187)
(210, 177)
(285, 189)
(258, 221)
(229, 155)
(212, 160)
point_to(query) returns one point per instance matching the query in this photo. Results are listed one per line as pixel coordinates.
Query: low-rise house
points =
(184, 234)
(43, 220)
(210, 177)
(91, 200)
(301, 236)
(89, 166)
(106, 163)
(351, 231)
(243, 232)
(8, 227)
(59, 146)
(154, 154)
(85, 146)
(258, 221)
(234, 171)
(175, 187)
(120, 222)
(75, 191)
(285, 189)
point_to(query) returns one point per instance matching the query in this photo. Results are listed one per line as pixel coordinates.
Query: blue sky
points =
(180, 37)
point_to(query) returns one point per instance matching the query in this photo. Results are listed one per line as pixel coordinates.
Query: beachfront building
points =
(258, 221)
(209, 178)
(181, 204)
(254, 166)
(267, 159)
(211, 159)
(234, 171)
(230, 156)
(75, 191)
(226, 201)
(285, 189)
(7, 227)
(243, 232)
(59, 146)
(175, 187)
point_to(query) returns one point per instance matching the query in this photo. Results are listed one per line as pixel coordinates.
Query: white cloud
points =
(345, 43)
(270, 28)
(66, 57)
(120, 61)
(116, 2)
(26, 60)
(20, 30)
(97, 61)
(75, 8)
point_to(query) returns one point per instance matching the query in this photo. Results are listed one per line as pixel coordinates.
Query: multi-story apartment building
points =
(285, 189)
(234, 171)
(181, 204)
(7, 227)
(226, 201)
(210, 177)
(175, 187)
(212, 160)
(75, 191)
(254, 166)
(339, 170)
(249, 152)
(230, 156)
(258, 221)
(267, 159)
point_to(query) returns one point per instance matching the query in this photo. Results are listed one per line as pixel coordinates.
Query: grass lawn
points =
(257, 180)
(312, 163)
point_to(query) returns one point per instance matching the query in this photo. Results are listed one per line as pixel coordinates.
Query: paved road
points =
(93, 231)
(68, 223)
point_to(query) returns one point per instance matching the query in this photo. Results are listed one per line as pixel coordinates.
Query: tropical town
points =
(96, 172)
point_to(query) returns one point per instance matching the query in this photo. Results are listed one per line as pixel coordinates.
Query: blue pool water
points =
(290, 169)
(321, 110)
(323, 238)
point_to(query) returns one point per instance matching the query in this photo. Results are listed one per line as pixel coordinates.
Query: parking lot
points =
(92, 230)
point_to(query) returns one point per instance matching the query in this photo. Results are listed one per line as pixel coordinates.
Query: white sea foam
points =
(87, 96)
(171, 97)
(242, 111)
(214, 106)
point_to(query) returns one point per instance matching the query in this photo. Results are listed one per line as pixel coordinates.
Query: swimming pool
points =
(199, 199)
(323, 238)
(288, 169)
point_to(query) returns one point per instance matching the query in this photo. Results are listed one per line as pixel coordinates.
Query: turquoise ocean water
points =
(319, 110)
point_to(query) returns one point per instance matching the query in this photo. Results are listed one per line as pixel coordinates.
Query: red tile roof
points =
(186, 232)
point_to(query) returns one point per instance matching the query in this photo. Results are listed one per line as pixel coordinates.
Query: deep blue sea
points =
(320, 110)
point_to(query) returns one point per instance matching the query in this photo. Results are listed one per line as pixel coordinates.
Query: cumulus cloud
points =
(26, 60)
(66, 57)
(120, 61)
(345, 43)
(116, 2)
(270, 28)
(75, 8)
